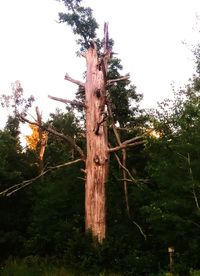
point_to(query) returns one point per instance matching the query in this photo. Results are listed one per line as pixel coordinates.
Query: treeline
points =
(47, 217)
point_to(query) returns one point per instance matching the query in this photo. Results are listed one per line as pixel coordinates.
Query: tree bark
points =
(97, 145)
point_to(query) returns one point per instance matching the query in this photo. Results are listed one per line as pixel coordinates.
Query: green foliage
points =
(174, 166)
(81, 20)
(57, 150)
(13, 211)
(48, 220)
(195, 273)
(57, 209)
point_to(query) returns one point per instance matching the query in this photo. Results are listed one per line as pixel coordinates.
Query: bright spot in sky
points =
(148, 36)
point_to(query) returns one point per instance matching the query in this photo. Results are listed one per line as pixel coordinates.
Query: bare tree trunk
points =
(97, 146)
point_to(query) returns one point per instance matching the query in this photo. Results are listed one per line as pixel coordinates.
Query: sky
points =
(148, 35)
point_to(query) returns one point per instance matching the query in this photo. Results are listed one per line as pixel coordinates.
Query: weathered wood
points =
(97, 145)
(68, 78)
(65, 101)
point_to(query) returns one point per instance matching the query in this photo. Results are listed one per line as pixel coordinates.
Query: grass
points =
(30, 268)
(35, 266)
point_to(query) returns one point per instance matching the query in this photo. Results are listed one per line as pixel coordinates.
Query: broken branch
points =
(79, 83)
(110, 82)
(73, 103)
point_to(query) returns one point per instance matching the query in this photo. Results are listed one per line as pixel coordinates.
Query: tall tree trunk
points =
(97, 145)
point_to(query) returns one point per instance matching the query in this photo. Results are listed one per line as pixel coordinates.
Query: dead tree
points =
(97, 143)
(97, 156)
(96, 137)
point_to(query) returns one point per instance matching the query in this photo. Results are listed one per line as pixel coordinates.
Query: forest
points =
(104, 187)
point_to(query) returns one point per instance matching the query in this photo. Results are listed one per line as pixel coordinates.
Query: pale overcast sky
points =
(148, 36)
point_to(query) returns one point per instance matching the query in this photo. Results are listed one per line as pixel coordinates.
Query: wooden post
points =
(171, 261)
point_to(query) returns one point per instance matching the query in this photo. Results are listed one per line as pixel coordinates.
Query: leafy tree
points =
(174, 167)
(81, 20)
(14, 211)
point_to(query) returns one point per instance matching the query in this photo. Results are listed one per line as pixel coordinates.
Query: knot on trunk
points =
(98, 93)
(97, 160)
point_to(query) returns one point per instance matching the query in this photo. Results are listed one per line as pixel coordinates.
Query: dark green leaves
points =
(81, 21)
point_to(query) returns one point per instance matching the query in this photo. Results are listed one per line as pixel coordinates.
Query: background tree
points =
(173, 166)
(15, 166)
